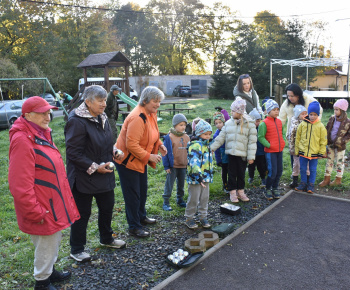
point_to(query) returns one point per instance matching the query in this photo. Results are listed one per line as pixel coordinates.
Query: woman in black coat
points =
(89, 151)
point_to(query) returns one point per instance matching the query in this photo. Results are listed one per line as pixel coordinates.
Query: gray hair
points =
(150, 93)
(94, 92)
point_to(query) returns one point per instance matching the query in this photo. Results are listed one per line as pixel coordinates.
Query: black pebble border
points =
(142, 265)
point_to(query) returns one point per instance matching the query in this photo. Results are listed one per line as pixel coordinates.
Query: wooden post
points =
(127, 87)
(85, 75)
(107, 87)
(278, 95)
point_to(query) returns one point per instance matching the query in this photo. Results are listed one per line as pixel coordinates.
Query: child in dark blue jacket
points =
(260, 160)
(220, 156)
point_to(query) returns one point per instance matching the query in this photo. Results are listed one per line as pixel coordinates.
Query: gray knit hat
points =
(298, 109)
(255, 114)
(270, 105)
(178, 118)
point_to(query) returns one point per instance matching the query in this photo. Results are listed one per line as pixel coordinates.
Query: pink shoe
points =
(233, 196)
(241, 195)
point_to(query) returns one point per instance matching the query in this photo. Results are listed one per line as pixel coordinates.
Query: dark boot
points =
(302, 186)
(59, 276)
(44, 285)
(181, 202)
(310, 188)
(294, 183)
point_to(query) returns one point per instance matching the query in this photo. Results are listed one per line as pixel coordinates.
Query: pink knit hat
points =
(342, 104)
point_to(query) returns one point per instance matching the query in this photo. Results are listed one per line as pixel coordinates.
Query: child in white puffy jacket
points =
(239, 135)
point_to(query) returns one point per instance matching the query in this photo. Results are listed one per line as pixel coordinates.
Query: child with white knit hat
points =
(239, 135)
(338, 134)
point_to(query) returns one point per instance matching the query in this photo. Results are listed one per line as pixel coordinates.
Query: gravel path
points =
(142, 264)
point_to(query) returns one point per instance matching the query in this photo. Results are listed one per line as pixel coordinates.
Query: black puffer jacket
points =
(88, 141)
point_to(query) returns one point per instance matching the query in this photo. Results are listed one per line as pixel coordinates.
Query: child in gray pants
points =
(199, 175)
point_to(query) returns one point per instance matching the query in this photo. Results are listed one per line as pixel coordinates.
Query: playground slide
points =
(132, 103)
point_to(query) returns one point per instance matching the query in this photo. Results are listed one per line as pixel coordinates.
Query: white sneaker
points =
(117, 244)
(81, 257)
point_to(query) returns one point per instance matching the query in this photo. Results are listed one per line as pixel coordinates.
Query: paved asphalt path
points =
(301, 242)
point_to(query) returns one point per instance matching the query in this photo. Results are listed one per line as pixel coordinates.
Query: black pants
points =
(236, 172)
(105, 204)
(224, 174)
(134, 187)
(260, 164)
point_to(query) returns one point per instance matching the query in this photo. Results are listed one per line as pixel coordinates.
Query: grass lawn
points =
(16, 250)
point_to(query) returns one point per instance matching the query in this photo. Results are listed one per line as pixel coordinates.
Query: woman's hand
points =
(154, 158)
(103, 168)
(168, 171)
(119, 156)
(250, 161)
(163, 150)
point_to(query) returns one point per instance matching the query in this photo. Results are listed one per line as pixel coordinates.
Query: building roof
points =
(335, 72)
(110, 59)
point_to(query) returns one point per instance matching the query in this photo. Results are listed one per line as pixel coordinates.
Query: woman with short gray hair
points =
(89, 151)
(150, 93)
(140, 141)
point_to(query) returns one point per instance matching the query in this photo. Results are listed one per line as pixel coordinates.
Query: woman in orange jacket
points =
(140, 143)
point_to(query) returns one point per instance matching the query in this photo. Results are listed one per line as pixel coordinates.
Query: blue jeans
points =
(134, 187)
(175, 173)
(312, 167)
(274, 162)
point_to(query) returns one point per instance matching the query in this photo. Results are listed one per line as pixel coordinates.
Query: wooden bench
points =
(124, 114)
(174, 110)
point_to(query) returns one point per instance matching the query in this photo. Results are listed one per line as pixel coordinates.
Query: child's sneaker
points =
(301, 187)
(250, 180)
(276, 193)
(263, 182)
(233, 196)
(205, 223)
(167, 207)
(181, 202)
(191, 224)
(241, 195)
(310, 188)
(268, 194)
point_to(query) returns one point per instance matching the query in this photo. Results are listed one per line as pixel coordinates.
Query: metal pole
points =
(291, 74)
(271, 78)
(347, 79)
(307, 77)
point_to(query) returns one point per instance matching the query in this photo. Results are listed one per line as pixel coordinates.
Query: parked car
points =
(47, 96)
(9, 112)
(181, 91)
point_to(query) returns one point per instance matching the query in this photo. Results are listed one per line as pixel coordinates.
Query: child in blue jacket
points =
(220, 156)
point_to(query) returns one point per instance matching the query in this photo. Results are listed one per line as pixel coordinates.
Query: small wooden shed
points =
(107, 60)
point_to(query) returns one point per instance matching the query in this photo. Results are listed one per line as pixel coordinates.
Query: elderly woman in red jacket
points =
(139, 140)
(38, 182)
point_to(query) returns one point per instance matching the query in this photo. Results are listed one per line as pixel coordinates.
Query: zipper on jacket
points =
(53, 209)
(278, 134)
(308, 149)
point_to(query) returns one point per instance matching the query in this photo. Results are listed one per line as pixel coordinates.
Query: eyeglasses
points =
(244, 76)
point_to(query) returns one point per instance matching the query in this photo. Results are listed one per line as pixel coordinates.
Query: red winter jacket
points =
(38, 182)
